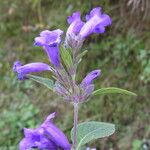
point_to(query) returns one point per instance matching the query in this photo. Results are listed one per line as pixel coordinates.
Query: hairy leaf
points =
(89, 131)
(66, 57)
(45, 81)
(111, 90)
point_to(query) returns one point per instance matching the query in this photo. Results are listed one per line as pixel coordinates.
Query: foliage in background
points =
(123, 58)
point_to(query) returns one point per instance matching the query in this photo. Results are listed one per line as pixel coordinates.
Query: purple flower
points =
(29, 68)
(46, 137)
(50, 41)
(96, 22)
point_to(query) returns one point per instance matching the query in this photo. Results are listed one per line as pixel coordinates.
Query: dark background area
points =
(122, 53)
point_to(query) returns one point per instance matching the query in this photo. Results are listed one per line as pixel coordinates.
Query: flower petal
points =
(31, 134)
(95, 11)
(51, 37)
(46, 144)
(75, 16)
(16, 64)
(39, 41)
(24, 144)
(55, 134)
(99, 29)
(50, 117)
(75, 23)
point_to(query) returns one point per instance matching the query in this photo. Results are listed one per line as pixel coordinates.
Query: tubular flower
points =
(96, 22)
(46, 137)
(29, 68)
(50, 41)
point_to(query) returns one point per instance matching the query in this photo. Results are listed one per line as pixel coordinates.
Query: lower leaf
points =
(89, 131)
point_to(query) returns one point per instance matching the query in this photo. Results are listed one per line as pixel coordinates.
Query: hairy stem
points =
(75, 126)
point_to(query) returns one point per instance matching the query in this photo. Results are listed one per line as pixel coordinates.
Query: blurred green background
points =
(122, 53)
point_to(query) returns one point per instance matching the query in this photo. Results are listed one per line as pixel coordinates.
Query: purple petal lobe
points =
(50, 117)
(75, 16)
(55, 134)
(75, 23)
(99, 29)
(29, 68)
(39, 41)
(95, 11)
(15, 65)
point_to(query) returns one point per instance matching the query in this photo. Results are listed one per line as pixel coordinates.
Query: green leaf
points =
(111, 90)
(82, 54)
(66, 57)
(89, 131)
(45, 81)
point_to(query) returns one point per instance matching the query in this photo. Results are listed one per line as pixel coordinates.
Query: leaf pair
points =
(110, 90)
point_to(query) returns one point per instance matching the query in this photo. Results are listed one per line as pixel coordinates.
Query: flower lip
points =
(48, 38)
(95, 11)
(75, 24)
(75, 16)
(50, 117)
(16, 64)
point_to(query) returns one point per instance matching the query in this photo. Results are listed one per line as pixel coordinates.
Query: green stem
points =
(75, 126)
